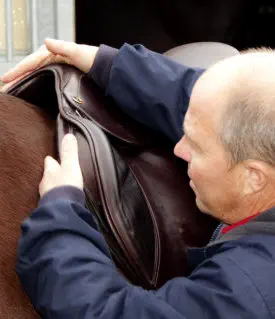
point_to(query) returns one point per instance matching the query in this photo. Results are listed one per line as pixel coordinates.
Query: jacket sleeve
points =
(148, 86)
(66, 269)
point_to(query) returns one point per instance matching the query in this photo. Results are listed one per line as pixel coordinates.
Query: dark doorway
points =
(161, 25)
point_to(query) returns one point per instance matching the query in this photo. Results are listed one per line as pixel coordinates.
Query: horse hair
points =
(27, 135)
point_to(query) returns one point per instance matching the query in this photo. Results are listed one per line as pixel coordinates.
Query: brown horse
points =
(26, 137)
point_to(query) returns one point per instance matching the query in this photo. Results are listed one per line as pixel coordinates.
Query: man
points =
(63, 261)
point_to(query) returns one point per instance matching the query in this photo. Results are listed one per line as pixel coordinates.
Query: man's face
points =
(217, 186)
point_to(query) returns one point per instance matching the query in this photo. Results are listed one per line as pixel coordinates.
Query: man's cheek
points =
(195, 176)
(201, 183)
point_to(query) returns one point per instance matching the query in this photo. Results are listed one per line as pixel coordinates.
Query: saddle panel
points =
(164, 184)
(137, 189)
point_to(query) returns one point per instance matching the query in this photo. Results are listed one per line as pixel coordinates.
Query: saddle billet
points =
(137, 189)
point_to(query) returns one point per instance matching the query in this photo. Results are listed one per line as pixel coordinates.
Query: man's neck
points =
(250, 206)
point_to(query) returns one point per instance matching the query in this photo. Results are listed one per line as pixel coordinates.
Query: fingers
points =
(69, 152)
(84, 57)
(60, 47)
(79, 55)
(50, 165)
(28, 64)
(66, 174)
(54, 51)
(6, 87)
(51, 170)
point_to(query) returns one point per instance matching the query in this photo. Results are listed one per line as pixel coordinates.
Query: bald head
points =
(239, 95)
(242, 67)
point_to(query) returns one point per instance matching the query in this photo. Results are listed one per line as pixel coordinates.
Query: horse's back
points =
(26, 137)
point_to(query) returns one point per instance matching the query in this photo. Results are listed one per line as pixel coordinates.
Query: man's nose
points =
(180, 150)
(176, 149)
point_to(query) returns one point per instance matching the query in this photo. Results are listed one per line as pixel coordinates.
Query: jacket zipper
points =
(215, 233)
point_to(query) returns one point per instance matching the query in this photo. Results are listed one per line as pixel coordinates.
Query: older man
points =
(63, 261)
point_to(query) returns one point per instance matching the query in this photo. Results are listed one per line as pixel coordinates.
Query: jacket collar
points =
(260, 223)
(244, 221)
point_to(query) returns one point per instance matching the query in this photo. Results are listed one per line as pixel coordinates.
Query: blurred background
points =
(25, 23)
(159, 25)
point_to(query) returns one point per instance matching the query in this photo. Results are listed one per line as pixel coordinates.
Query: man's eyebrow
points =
(190, 139)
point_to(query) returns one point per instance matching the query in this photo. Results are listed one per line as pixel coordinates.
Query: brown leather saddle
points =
(137, 189)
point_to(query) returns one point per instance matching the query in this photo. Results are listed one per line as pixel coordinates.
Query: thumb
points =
(50, 165)
(51, 169)
(69, 152)
(63, 48)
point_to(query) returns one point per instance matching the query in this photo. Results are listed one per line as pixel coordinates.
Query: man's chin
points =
(201, 206)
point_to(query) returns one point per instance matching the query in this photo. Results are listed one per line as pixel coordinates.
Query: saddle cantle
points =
(135, 186)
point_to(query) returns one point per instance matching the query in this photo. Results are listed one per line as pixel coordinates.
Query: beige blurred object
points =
(19, 25)
(2, 26)
(24, 24)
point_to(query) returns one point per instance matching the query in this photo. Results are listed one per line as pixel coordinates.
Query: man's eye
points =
(197, 148)
(192, 144)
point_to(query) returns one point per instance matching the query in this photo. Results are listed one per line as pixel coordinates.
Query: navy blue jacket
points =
(64, 263)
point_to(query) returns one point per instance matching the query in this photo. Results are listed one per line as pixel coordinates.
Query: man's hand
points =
(68, 173)
(54, 51)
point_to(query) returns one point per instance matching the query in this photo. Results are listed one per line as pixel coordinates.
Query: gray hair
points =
(248, 132)
(247, 128)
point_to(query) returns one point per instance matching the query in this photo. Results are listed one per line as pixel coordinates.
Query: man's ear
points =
(256, 175)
